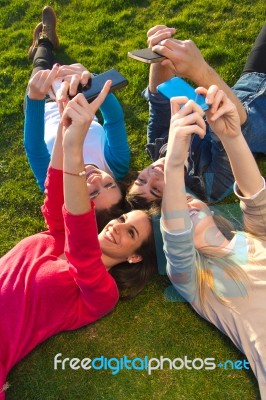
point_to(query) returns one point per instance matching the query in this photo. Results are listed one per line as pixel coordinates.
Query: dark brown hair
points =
(106, 215)
(132, 278)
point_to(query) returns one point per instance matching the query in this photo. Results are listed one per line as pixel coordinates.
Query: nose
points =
(154, 178)
(154, 173)
(118, 227)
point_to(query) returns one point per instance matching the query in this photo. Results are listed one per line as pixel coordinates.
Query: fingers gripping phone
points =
(95, 84)
(178, 87)
(55, 87)
(146, 56)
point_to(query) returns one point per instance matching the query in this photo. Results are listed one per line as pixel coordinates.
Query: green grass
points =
(98, 34)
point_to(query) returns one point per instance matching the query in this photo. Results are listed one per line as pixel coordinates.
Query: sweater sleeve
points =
(181, 262)
(54, 199)
(254, 211)
(97, 287)
(36, 150)
(116, 148)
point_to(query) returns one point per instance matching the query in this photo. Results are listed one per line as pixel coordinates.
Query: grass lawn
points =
(99, 34)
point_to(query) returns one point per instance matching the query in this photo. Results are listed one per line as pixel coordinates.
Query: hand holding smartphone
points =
(94, 85)
(54, 88)
(146, 55)
(178, 87)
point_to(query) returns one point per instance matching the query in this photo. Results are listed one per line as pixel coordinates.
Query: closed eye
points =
(156, 192)
(94, 194)
(132, 230)
(140, 181)
(110, 185)
(121, 218)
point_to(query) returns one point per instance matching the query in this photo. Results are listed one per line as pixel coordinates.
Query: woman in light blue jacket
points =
(221, 274)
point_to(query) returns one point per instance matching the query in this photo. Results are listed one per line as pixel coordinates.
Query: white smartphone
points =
(146, 56)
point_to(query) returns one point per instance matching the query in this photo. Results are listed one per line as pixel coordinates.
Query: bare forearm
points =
(208, 76)
(75, 189)
(158, 74)
(57, 153)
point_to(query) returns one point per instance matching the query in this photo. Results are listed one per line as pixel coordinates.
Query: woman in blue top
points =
(106, 149)
(220, 273)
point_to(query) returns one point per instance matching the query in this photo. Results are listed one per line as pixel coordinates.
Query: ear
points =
(135, 258)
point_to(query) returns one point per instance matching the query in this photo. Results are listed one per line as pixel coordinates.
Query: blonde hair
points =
(224, 261)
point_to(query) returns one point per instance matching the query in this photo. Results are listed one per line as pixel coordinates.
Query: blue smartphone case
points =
(178, 87)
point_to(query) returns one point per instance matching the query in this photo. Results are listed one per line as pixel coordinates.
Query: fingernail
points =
(56, 65)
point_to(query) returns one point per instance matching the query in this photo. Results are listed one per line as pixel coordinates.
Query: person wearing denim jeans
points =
(208, 172)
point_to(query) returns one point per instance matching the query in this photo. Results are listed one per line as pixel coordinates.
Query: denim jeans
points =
(251, 90)
(209, 174)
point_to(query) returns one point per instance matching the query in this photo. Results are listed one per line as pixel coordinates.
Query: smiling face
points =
(122, 237)
(150, 181)
(102, 188)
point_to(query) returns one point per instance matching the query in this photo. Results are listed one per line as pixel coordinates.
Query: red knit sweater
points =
(42, 294)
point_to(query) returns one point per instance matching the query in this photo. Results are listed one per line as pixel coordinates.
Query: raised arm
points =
(39, 85)
(159, 107)
(34, 143)
(186, 60)
(176, 225)
(97, 288)
(184, 122)
(116, 149)
(158, 72)
(76, 120)
(224, 121)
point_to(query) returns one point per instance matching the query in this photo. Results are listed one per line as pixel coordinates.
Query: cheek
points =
(206, 233)
(211, 233)
(134, 189)
(89, 188)
(161, 184)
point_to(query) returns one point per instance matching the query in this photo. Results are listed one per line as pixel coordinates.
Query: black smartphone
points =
(96, 83)
(146, 56)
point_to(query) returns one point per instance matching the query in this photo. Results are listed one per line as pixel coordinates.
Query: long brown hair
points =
(132, 278)
(122, 206)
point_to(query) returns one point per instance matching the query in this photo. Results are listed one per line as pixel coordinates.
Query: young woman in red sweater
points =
(61, 279)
